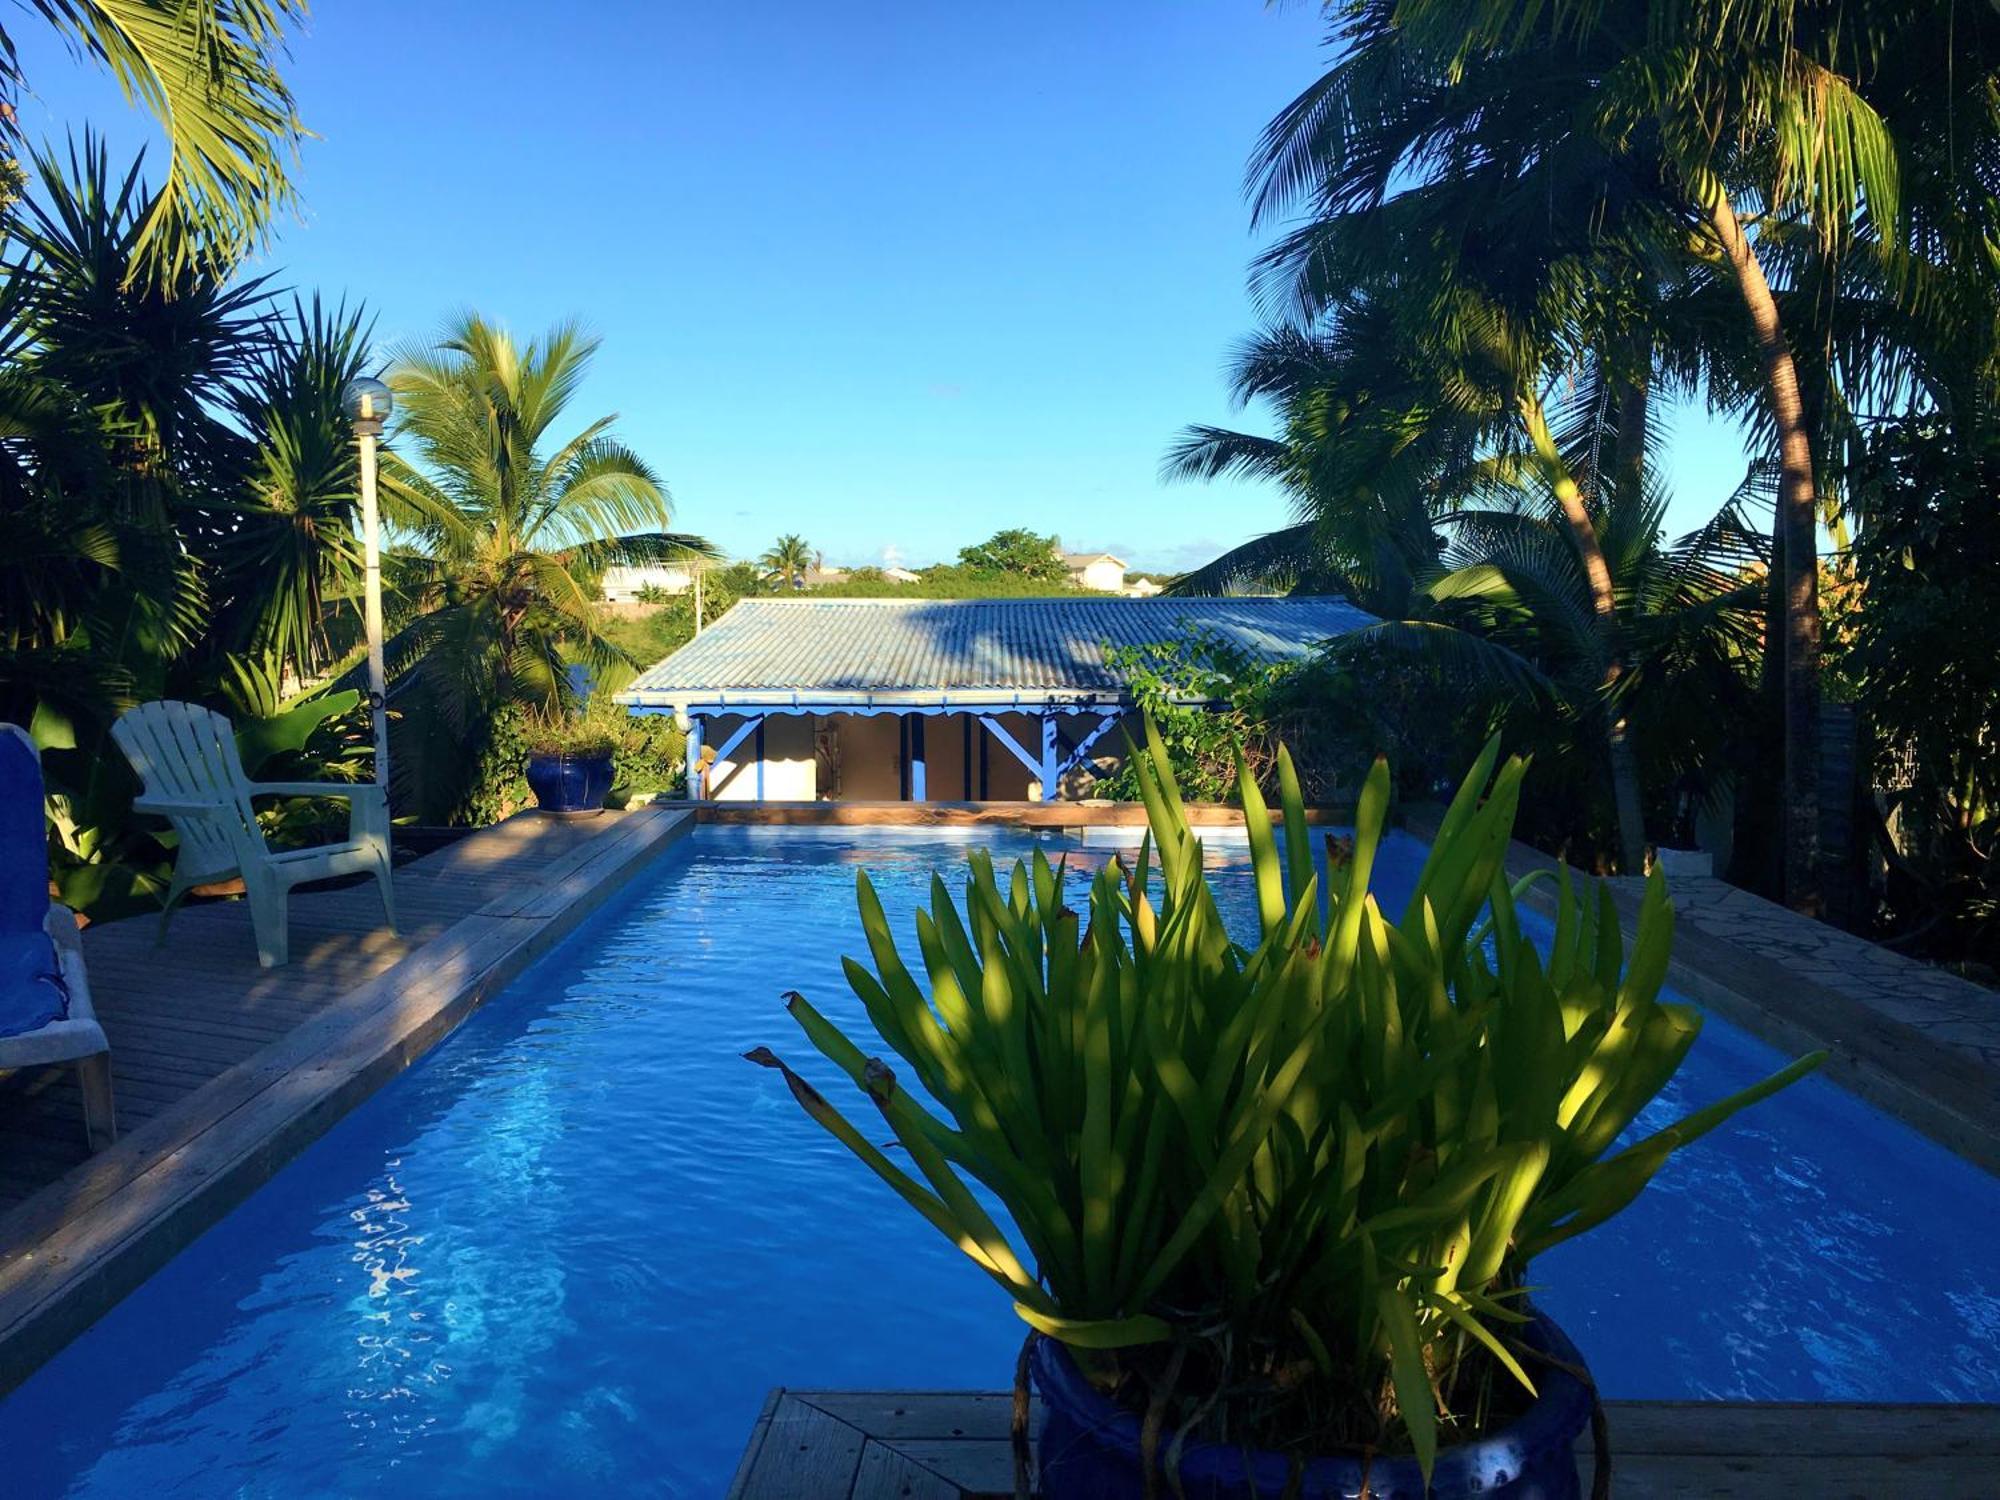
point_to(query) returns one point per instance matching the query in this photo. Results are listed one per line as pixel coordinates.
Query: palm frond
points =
(1291, 561)
(1202, 453)
(208, 75)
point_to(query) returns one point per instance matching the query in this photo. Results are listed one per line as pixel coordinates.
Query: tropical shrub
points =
(1281, 1188)
(496, 782)
(1336, 712)
(649, 759)
(560, 734)
(1205, 702)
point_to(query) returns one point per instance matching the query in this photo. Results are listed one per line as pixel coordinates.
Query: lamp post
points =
(367, 403)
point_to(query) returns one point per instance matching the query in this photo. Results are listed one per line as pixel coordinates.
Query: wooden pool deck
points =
(223, 1070)
(954, 1445)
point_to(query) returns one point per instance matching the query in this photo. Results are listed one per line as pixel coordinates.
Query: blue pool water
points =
(572, 1248)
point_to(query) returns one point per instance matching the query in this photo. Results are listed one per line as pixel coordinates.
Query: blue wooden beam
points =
(1051, 767)
(1013, 746)
(919, 770)
(965, 722)
(752, 725)
(760, 760)
(743, 732)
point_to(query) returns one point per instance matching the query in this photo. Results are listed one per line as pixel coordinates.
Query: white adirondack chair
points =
(45, 1013)
(187, 757)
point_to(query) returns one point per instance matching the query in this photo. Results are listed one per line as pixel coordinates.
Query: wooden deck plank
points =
(1846, 1477)
(886, 1471)
(1784, 1428)
(802, 1452)
(973, 1466)
(954, 1445)
(897, 1415)
(226, 1070)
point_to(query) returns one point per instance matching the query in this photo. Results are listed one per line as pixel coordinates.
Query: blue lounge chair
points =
(45, 1014)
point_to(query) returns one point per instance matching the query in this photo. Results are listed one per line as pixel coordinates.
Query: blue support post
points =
(1051, 760)
(919, 771)
(760, 760)
(694, 758)
(965, 765)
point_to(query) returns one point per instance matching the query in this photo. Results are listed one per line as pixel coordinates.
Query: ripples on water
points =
(573, 1248)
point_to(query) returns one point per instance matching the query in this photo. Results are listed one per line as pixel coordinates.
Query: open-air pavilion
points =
(932, 699)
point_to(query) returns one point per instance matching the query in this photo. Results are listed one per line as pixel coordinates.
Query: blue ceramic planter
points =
(570, 783)
(1089, 1447)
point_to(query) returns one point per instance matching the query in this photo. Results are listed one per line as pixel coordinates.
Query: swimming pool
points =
(573, 1247)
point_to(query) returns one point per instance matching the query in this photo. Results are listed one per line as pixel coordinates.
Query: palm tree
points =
(118, 372)
(1373, 453)
(1707, 107)
(507, 537)
(1393, 428)
(206, 70)
(788, 560)
(156, 350)
(1609, 643)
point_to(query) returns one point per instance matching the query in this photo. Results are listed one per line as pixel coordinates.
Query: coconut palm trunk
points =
(1794, 566)
(1624, 765)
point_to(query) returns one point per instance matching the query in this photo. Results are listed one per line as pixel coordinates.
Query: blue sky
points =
(889, 275)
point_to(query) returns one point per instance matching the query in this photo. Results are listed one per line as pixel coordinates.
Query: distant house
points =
(622, 584)
(1142, 588)
(1099, 572)
(799, 699)
(901, 575)
(819, 577)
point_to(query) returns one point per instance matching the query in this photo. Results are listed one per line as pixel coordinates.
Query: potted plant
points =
(1276, 1194)
(569, 764)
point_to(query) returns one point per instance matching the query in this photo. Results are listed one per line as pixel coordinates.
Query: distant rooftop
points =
(861, 652)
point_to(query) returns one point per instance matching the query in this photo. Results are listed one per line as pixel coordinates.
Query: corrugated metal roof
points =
(960, 650)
